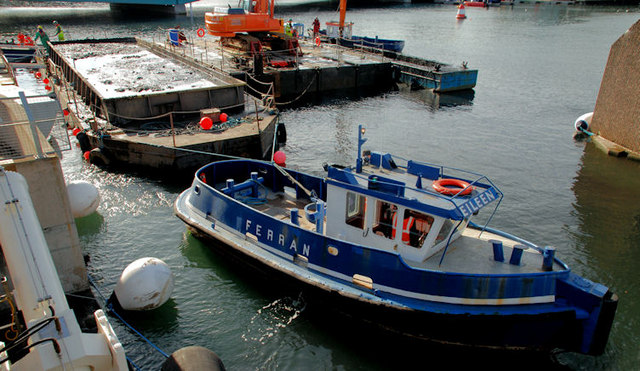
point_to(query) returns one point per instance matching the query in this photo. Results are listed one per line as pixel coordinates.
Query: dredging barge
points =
(272, 51)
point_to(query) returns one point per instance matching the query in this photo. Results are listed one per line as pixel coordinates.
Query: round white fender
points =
(145, 284)
(584, 121)
(83, 198)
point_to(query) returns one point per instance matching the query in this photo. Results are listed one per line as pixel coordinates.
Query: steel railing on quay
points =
(32, 126)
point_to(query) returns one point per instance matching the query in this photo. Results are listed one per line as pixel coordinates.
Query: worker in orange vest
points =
(407, 224)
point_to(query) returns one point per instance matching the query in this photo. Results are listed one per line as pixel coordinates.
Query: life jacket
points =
(407, 224)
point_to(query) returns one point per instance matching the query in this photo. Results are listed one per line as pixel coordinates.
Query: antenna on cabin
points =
(361, 141)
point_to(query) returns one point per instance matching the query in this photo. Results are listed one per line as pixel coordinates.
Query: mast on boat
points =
(343, 12)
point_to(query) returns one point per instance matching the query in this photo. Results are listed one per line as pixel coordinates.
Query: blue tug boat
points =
(393, 242)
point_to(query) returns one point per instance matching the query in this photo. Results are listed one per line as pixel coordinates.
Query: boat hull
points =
(518, 332)
(388, 45)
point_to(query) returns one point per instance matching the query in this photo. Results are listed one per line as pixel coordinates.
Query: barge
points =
(137, 105)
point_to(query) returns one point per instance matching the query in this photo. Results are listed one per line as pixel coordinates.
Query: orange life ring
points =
(200, 32)
(318, 41)
(459, 187)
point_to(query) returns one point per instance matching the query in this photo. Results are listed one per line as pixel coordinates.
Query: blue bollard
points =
(320, 211)
(294, 217)
(254, 186)
(547, 258)
(498, 254)
(516, 255)
(230, 183)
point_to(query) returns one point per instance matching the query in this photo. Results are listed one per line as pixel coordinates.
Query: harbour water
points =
(540, 67)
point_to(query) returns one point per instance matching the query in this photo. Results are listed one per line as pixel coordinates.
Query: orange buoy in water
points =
(318, 40)
(47, 87)
(45, 80)
(38, 75)
(461, 12)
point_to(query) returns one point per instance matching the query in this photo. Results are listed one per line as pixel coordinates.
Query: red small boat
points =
(479, 4)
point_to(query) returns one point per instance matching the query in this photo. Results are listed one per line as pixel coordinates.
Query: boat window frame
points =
(437, 242)
(355, 214)
(419, 218)
(384, 210)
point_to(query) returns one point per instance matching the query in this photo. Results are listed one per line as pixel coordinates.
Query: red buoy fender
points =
(318, 41)
(200, 32)
(451, 187)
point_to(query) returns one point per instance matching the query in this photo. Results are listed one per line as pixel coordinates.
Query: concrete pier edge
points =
(614, 149)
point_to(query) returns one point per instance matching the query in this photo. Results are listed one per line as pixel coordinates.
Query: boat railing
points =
(361, 51)
(448, 198)
(37, 127)
(480, 180)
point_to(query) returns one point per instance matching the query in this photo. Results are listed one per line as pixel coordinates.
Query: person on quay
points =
(59, 31)
(288, 28)
(43, 37)
(316, 27)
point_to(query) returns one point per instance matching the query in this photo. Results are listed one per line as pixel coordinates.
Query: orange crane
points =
(250, 16)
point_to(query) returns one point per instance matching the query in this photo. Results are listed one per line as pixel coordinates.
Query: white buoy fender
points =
(583, 122)
(83, 198)
(145, 284)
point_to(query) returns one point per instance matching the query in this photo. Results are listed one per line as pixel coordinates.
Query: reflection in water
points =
(608, 235)
(162, 320)
(435, 101)
(90, 225)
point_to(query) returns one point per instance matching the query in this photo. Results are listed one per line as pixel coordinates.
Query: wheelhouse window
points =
(445, 230)
(415, 227)
(384, 223)
(356, 206)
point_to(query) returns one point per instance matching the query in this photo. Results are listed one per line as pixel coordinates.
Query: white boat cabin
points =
(355, 214)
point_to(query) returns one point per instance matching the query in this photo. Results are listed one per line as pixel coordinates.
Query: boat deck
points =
(279, 206)
(472, 253)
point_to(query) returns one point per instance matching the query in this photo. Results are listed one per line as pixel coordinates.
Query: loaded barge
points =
(139, 106)
(276, 58)
(325, 68)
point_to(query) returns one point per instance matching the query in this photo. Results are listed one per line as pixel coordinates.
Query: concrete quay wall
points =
(616, 116)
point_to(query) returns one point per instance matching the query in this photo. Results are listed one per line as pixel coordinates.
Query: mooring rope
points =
(301, 94)
(110, 309)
